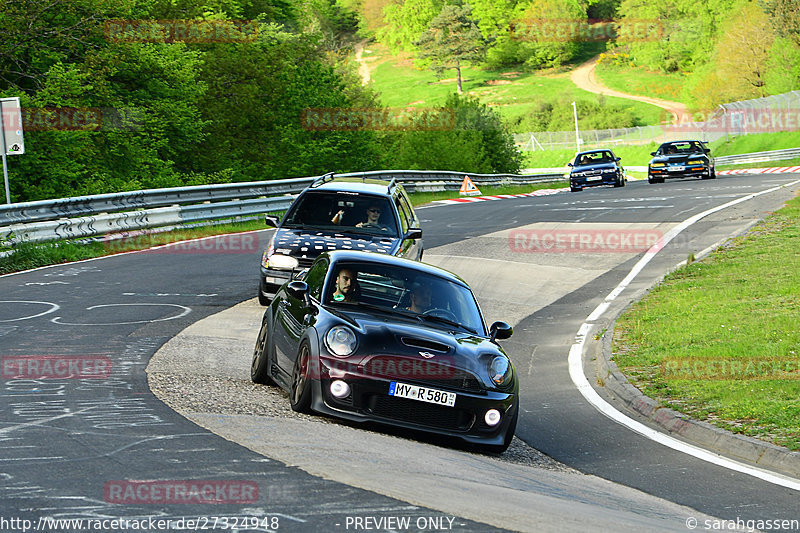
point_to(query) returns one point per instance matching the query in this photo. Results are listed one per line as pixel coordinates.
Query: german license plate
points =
(422, 394)
(594, 178)
(677, 168)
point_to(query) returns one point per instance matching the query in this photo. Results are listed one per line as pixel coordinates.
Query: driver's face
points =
(422, 297)
(344, 282)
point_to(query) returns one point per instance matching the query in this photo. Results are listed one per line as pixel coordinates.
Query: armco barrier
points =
(88, 216)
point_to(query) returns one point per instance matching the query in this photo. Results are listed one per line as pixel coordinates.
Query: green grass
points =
(33, 255)
(630, 156)
(510, 93)
(643, 82)
(759, 142)
(739, 307)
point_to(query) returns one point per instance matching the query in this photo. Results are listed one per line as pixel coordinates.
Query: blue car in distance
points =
(593, 168)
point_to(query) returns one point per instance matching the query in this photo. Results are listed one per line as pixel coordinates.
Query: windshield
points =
(407, 292)
(356, 213)
(593, 157)
(680, 148)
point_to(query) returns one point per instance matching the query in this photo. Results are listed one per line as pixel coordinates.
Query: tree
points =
(406, 21)
(451, 41)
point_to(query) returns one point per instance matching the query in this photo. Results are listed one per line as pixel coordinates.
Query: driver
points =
(373, 215)
(345, 286)
(420, 298)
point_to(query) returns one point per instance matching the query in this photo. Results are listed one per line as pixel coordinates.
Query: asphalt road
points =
(68, 442)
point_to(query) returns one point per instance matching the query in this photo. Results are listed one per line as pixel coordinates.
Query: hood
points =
(309, 243)
(390, 334)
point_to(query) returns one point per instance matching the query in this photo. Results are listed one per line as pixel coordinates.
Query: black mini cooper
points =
(374, 338)
(681, 159)
(595, 167)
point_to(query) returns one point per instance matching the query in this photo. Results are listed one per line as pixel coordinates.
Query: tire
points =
(509, 436)
(300, 390)
(620, 182)
(262, 287)
(574, 189)
(261, 364)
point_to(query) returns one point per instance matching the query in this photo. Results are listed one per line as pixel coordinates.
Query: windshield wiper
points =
(434, 318)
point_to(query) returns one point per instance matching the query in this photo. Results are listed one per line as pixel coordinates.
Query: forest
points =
(137, 94)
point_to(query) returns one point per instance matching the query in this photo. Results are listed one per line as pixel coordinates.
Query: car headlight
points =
(281, 261)
(696, 162)
(500, 370)
(657, 165)
(341, 341)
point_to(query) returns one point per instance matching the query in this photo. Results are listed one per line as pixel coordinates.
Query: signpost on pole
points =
(10, 135)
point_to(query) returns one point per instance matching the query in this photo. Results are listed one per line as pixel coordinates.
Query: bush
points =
(478, 142)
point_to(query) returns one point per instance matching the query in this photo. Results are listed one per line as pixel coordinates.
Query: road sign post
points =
(10, 135)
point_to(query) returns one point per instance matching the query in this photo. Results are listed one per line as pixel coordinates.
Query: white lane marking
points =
(186, 311)
(53, 307)
(575, 361)
(609, 208)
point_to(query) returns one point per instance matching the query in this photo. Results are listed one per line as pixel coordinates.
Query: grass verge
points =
(511, 94)
(718, 339)
(33, 255)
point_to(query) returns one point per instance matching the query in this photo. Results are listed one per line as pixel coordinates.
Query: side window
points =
(315, 278)
(412, 217)
(401, 210)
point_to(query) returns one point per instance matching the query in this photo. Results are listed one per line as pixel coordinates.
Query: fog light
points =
(340, 389)
(492, 417)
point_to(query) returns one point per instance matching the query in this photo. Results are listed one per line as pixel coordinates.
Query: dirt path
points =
(363, 69)
(585, 78)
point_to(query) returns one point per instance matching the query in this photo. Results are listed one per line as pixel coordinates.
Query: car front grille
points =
(424, 414)
(304, 262)
(425, 371)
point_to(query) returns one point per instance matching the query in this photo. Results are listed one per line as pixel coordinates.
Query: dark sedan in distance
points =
(370, 337)
(681, 159)
(595, 167)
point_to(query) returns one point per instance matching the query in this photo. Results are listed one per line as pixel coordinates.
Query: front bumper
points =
(369, 401)
(692, 171)
(593, 181)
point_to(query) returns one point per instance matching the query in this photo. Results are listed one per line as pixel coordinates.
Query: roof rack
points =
(392, 184)
(325, 178)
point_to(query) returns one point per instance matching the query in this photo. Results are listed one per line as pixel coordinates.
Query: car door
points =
(291, 317)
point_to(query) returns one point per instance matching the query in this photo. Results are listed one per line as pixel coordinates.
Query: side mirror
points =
(652, 153)
(617, 159)
(414, 233)
(271, 221)
(500, 330)
(569, 164)
(707, 150)
(298, 290)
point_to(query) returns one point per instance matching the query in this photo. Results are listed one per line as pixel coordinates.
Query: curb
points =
(742, 448)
